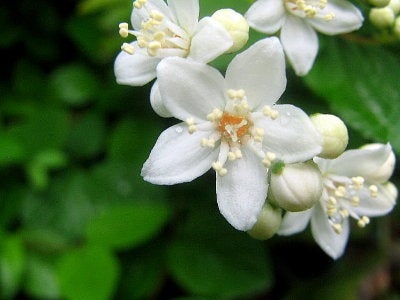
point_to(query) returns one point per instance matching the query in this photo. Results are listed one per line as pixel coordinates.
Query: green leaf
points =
(208, 7)
(12, 265)
(360, 82)
(11, 150)
(127, 226)
(74, 84)
(210, 258)
(87, 136)
(88, 273)
(41, 279)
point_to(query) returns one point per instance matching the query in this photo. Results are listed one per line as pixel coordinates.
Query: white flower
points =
(351, 189)
(297, 21)
(161, 31)
(232, 125)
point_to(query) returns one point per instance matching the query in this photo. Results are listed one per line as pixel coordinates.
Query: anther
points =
(217, 166)
(128, 48)
(207, 142)
(344, 213)
(191, 126)
(123, 29)
(373, 189)
(337, 228)
(363, 221)
(259, 134)
(357, 182)
(215, 114)
(269, 112)
(156, 15)
(340, 191)
(268, 159)
(355, 201)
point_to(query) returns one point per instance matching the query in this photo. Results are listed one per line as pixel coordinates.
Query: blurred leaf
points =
(41, 279)
(88, 273)
(143, 273)
(88, 6)
(360, 82)
(12, 265)
(43, 241)
(42, 163)
(87, 136)
(11, 150)
(210, 258)
(127, 226)
(208, 7)
(75, 84)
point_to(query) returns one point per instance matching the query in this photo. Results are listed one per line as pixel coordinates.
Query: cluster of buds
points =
(385, 15)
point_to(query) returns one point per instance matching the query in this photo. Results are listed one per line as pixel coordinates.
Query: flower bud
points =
(395, 6)
(268, 223)
(334, 134)
(235, 24)
(296, 187)
(379, 3)
(382, 17)
(386, 169)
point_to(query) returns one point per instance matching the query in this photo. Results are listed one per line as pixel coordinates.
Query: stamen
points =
(337, 228)
(191, 125)
(268, 159)
(355, 201)
(123, 29)
(216, 114)
(373, 189)
(218, 167)
(259, 134)
(269, 112)
(128, 48)
(363, 221)
(210, 143)
(340, 191)
(357, 182)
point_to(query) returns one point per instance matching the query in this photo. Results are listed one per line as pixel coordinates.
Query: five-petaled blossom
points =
(297, 21)
(162, 31)
(355, 185)
(231, 124)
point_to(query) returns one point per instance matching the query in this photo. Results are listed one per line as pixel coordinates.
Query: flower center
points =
(344, 194)
(309, 9)
(158, 35)
(233, 127)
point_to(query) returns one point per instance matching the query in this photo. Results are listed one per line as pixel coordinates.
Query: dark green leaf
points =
(88, 273)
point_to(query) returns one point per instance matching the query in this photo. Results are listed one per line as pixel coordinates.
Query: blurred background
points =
(78, 222)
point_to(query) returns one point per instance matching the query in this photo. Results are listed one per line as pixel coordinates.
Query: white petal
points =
(157, 103)
(300, 43)
(291, 136)
(260, 72)
(294, 222)
(242, 192)
(376, 206)
(266, 16)
(347, 18)
(140, 15)
(135, 69)
(190, 89)
(332, 243)
(209, 41)
(357, 162)
(186, 12)
(178, 156)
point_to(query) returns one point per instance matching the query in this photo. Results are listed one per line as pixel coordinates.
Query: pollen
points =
(233, 127)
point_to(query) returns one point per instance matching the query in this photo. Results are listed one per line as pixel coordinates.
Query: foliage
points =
(78, 222)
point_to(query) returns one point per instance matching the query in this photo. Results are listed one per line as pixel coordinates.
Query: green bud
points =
(297, 188)
(334, 134)
(395, 6)
(268, 223)
(235, 24)
(382, 17)
(379, 3)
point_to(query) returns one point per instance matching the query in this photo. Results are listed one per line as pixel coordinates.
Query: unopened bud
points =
(395, 6)
(385, 171)
(379, 3)
(235, 24)
(268, 223)
(334, 134)
(297, 187)
(382, 17)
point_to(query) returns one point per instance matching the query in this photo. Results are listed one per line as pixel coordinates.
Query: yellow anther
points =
(331, 211)
(373, 189)
(268, 159)
(142, 42)
(340, 191)
(207, 142)
(231, 93)
(215, 115)
(355, 201)
(329, 17)
(337, 228)
(156, 15)
(259, 134)
(363, 221)
(269, 112)
(217, 166)
(128, 48)
(344, 213)
(238, 153)
(159, 36)
(332, 201)
(357, 182)
(123, 29)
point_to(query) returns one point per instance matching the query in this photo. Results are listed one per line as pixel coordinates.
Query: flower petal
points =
(142, 14)
(209, 41)
(266, 16)
(377, 206)
(300, 43)
(190, 89)
(294, 222)
(291, 136)
(260, 72)
(347, 18)
(242, 192)
(332, 243)
(178, 156)
(186, 12)
(358, 162)
(157, 103)
(135, 69)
